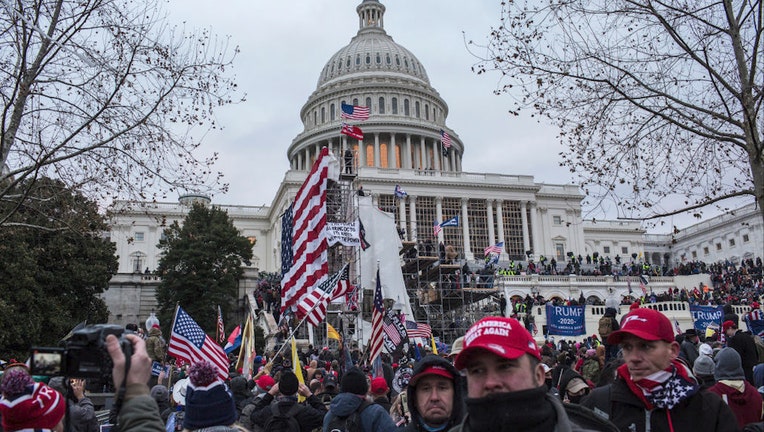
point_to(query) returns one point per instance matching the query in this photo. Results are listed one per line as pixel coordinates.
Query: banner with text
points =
(565, 320)
(703, 316)
(345, 233)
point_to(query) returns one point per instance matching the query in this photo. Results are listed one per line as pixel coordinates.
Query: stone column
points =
(437, 154)
(412, 218)
(377, 158)
(423, 150)
(500, 225)
(466, 231)
(439, 215)
(536, 245)
(361, 154)
(407, 157)
(489, 216)
(524, 221)
(391, 152)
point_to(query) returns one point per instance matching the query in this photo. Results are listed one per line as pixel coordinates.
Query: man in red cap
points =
(434, 395)
(744, 344)
(653, 390)
(505, 384)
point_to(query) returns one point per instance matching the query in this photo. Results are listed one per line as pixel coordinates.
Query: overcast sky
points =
(284, 46)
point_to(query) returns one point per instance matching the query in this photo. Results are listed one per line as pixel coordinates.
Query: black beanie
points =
(288, 383)
(354, 381)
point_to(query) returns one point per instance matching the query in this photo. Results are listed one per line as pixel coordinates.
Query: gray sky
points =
(284, 46)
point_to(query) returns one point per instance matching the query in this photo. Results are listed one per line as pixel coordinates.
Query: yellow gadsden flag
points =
(331, 333)
(434, 347)
(297, 369)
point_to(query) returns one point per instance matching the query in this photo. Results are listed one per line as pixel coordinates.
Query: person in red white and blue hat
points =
(506, 388)
(653, 390)
(28, 405)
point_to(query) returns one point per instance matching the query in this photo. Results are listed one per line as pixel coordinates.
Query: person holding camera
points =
(80, 410)
(138, 410)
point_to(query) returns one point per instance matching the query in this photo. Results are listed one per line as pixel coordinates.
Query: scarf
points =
(524, 410)
(662, 389)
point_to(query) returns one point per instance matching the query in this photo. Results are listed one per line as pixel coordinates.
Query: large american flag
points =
(353, 112)
(415, 329)
(313, 305)
(190, 343)
(445, 139)
(494, 248)
(304, 236)
(377, 320)
(391, 330)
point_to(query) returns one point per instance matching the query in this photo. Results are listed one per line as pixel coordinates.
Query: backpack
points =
(283, 422)
(591, 370)
(350, 423)
(605, 327)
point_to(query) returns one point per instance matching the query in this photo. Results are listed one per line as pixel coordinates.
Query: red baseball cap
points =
(431, 370)
(379, 386)
(505, 337)
(728, 324)
(265, 382)
(644, 323)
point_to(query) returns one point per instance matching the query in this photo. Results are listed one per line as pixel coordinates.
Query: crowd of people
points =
(636, 375)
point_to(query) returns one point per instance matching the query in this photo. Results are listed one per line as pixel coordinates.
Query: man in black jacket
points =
(309, 416)
(653, 390)
(744, 344)
(434, 396)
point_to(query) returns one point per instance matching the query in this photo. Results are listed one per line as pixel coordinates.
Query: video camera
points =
(84, 354)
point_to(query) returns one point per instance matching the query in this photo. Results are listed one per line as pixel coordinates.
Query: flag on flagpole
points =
(313, 304)
(362, 236)
(676, 326)
(297, 368)
(190, 343)
(331, 332)
(354, 112)
(351, 131)
(304, 260)
(434, 347)
(436, 229)
(416, 329)
(247, 352)
(399, 192)
(343, 286)
(234, 340)
(445, 139)
(453, 222)
(377, 319)
(351, 298)
(221, 327)
(494, 249)
(643, 281)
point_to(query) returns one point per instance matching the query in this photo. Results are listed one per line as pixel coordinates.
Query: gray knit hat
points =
(703, 366)
(728, 365)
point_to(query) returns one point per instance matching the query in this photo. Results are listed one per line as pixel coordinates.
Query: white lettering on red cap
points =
(632, 318)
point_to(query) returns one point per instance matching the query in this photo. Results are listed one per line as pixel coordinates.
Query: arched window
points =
(355, 101)
(137, 262)
(368, 103)
(379, 59)
(315, 118)
(387, 58)
(406, 110)
(426, 112)
(416, 109)
(381, 105)
(358, 59)
(395, 105)
(323, 115)
(368, 58)
(331, 112)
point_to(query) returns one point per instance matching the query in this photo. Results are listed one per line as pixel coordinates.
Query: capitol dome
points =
(407, 116)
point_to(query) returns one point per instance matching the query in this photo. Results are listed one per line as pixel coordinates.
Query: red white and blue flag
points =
(420, 330)
(304, 256)
(351, 131)
(643, 281)
(190, 343)
(234, 340)
(399, 192)
(377, 320)
(445, 139)
(436, 229)
(313, 305)
(353, 112)
(494, 249)
(221, 327)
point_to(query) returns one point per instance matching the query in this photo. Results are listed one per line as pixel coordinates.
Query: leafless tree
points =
(105, 95)
(658, 102)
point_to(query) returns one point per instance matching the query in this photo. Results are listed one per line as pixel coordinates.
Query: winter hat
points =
(703, 366)
(379, 386)
(258, 360)
(27, 404)
(209, 402)
(728, 324)
(354, 381)
(705, 349)
(591, 352)
(265, 383)
(728, 365)
(288, 383)
(160, 393)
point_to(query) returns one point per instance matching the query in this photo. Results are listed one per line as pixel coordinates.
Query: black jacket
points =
(744, 344)
(309, 417)
(457, 414)
(703, 411)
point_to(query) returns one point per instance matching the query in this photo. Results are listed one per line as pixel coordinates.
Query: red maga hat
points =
(504, 337)
(644, 323)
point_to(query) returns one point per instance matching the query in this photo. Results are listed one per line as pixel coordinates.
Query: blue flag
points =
(453, 222)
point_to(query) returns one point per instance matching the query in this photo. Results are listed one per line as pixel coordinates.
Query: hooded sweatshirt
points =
(742, 397)
(457, 413)
(374, 418)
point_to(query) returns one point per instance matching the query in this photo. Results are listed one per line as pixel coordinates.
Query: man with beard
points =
(434, 396)
(653, 390)
(505, 384)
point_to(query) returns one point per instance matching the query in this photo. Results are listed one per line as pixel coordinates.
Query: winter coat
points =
(703, 411)
(744, 344)
(457, 413)
(155, 345)
(139, 411)
(747, 406)
(309, 416)
(374, 418)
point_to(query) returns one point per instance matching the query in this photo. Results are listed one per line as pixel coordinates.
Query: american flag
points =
(676, 326)
(304, 232)
(351, 131)
(494, 248)
(377, 319)
(188, 342)
(643, 281)
(351, 298)
(436, 229)
(313, 305)
(416, 329)
(221, 327)
(353, 112)
(343, 286)
(362, 236)
(391, 331)
(445, 139)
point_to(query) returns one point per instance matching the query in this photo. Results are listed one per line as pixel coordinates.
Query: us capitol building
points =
(402, 146)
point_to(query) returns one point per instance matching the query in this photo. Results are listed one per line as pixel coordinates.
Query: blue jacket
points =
(373, 418)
